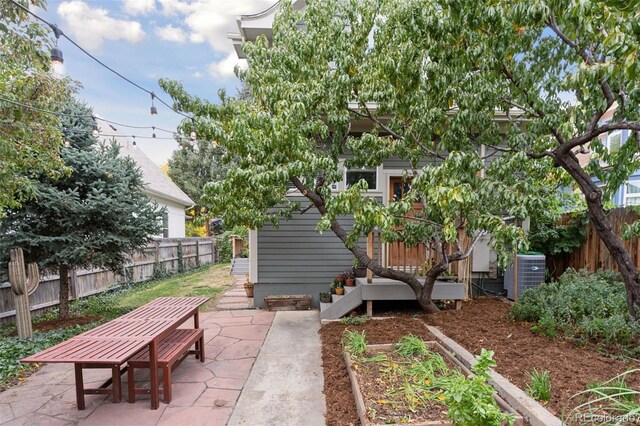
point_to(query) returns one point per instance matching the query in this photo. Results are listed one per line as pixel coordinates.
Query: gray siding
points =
(296, 259)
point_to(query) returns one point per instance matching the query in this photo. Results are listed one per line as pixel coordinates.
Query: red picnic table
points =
(111, 344)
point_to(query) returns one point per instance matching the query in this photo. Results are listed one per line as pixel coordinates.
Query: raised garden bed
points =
(482, 323)
(390, 387)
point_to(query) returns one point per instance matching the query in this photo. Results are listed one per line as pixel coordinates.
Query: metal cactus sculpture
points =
(22, 286)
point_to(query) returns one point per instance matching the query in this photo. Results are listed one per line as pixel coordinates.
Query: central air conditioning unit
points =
(530, 274)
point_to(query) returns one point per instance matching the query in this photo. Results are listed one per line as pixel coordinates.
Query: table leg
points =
(79, 386)
(196, 325)
(153, 372)
(116, 385)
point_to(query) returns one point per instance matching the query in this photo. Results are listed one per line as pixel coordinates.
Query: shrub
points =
(581, 306)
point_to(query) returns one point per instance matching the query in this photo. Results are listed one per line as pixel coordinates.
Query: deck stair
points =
(342, 305)
(239, 266)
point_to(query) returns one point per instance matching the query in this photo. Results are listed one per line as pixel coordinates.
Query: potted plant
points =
(349, 278)
(248, 287)
(339, 287)
(359, 270)
(325, 297)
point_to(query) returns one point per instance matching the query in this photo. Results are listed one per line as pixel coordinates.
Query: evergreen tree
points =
(95, 216)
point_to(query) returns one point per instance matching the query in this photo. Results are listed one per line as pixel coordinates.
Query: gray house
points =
(296, 259)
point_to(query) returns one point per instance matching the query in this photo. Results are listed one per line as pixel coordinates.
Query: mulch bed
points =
(482, 323)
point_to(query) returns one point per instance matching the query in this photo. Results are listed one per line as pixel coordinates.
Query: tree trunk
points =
(63, 307)
(604, 229)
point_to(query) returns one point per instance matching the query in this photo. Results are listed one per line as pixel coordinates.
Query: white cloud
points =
(198, 74)
(171, 33)
(210, 20)
(139, 7)
(224, 68)
(92, 26)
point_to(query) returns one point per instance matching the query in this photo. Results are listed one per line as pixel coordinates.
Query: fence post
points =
(197, 251)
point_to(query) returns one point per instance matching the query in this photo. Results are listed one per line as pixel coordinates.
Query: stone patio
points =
(203, 393)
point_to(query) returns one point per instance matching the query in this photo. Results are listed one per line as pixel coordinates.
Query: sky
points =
(183, 40)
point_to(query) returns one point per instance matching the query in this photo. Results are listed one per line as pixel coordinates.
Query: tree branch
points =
(604, 85)
(605, 128)
(454, 257)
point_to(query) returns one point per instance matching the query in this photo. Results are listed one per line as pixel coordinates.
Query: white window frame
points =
(628, 195)
(611, 135)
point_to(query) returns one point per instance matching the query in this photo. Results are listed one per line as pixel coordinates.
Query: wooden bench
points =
(172, 350)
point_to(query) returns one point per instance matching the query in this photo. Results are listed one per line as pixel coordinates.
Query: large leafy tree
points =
(30, 139)
(93, 217)
(375, 65)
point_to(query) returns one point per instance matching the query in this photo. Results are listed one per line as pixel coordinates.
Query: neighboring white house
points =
(161, 189)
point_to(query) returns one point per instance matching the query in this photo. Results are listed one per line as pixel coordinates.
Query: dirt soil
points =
(59, 323)
(482, 323)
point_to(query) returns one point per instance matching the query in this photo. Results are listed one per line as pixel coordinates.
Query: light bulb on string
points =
(154, 132)
(56, 53)
(154, 110)
(193, 133)
(95, 131)
(134, 140)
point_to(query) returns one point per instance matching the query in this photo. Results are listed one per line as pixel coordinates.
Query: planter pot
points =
(248, 288)
(360, 271)
(325, 297)
(350, 282)
(340, 291)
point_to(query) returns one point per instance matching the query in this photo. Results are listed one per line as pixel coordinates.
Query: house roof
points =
(157, 183)
(251, 26)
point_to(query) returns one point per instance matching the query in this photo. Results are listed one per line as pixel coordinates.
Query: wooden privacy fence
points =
(168, 254)
(593, 254)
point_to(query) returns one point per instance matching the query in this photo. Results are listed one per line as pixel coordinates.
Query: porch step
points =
(342, 305)
(324, 306)
(335, 297)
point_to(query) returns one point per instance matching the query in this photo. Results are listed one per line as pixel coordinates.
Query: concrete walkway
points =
(286, 383)
(283, 388)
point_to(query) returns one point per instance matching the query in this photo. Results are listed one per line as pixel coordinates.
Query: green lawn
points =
(211, 282)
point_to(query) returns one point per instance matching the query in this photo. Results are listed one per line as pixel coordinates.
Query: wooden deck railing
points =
(413, 259)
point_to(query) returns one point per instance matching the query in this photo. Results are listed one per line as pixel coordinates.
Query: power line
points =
(59, 32)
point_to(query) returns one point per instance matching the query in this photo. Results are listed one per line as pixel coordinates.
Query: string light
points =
(57, 31)
(95, 132)
(193, 130)
(56, 53)
(60, 114)
(154, 110)
(154, 132)
(134, 140)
